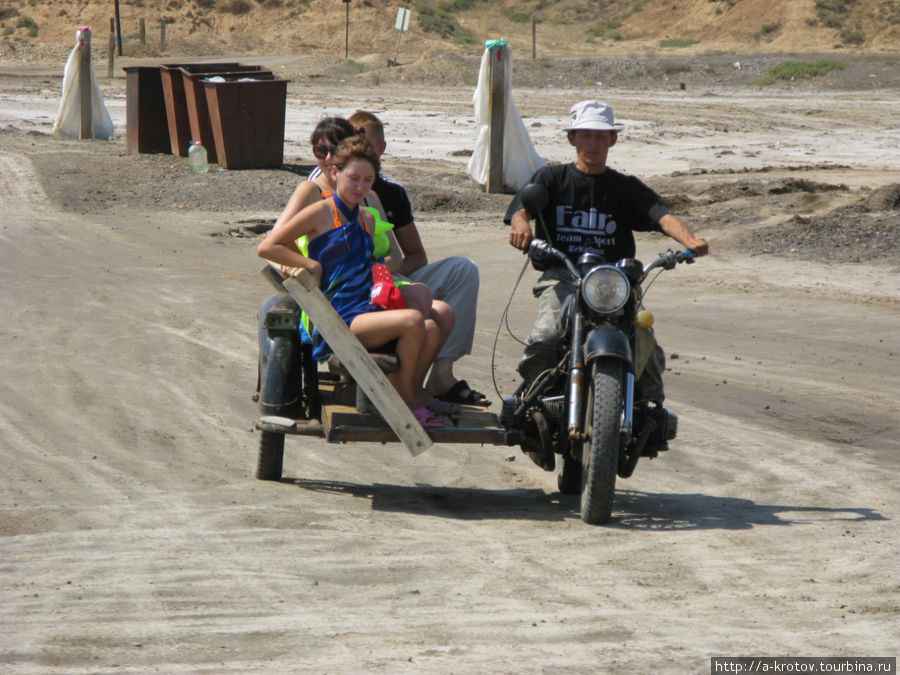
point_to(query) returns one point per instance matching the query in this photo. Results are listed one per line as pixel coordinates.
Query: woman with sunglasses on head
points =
(340, 258)
(324, 140)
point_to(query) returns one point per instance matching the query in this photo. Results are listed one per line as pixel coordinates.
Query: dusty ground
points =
(135, 538)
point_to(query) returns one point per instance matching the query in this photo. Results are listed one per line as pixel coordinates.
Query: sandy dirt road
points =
(135, 538)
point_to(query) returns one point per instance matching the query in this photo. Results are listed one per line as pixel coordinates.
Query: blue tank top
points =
(345, 254)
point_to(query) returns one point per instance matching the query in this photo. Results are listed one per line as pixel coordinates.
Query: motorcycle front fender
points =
(606, 341)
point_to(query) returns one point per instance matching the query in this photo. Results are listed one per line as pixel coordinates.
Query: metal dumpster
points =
(147, 128)
(176, 106)
(198, 108)
(247, 122)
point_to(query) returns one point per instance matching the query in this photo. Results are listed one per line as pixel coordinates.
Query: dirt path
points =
(134, 536)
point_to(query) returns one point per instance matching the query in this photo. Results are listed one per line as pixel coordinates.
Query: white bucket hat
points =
(592, 115)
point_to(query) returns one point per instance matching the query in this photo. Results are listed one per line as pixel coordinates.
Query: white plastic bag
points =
(520, 159)
(68, 118)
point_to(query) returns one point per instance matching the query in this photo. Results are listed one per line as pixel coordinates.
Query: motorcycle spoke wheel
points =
(600, 453)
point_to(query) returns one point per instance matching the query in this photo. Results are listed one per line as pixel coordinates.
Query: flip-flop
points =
(440, 407)
(427, 418)
(454, 395)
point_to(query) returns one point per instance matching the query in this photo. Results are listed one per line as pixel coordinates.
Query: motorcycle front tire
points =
(600, 456)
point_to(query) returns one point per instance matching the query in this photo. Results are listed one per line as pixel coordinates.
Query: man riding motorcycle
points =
(592, 208)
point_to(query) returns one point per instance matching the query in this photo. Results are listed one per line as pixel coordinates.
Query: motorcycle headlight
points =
(605, 289)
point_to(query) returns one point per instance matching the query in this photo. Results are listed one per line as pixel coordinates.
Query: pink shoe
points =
(427, 418)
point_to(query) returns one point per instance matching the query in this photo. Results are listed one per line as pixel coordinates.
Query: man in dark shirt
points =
(592, 208)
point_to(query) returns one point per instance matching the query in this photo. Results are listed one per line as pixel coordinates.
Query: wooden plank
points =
(342, 424)
(357, 360)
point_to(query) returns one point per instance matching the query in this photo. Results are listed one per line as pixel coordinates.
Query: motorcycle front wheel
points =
(600, 456)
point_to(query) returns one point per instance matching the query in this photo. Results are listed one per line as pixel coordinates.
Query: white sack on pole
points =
(68, 118)
(520, 159)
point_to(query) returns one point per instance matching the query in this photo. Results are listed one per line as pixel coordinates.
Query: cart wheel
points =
(271, 456)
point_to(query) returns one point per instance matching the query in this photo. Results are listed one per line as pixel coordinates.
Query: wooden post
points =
(162, 34)
(533, 37)
(143, 32)
(84, 81)
(118, 28)
(111, 57)
(347, 31)
(499, 54)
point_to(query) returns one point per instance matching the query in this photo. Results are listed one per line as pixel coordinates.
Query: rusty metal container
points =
(176, 106)
(247, 122)
(198, 108)
(147, 129)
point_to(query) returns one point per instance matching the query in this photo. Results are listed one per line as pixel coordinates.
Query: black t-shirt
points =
(595, 213)
(397, 207)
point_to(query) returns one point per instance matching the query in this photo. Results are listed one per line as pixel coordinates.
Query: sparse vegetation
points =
(440, 20)
(607, 30)
(833, 13)
(677, 43)
(769, 29)
(795, 70)
(852, 37)
(26, 21)
(518, 17)
(235, 6)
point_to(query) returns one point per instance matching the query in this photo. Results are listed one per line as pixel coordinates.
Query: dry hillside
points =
(31, 29)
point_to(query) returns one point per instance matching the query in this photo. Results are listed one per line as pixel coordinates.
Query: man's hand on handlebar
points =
(520, 234)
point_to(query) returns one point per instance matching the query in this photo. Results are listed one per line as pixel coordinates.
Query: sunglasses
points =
(321, 150)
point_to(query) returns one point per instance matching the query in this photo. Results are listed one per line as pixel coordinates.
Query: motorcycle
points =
(586, 409)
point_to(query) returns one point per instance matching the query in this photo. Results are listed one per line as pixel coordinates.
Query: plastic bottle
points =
(197, 157)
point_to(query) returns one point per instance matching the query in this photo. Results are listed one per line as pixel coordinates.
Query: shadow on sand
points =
(633, 509)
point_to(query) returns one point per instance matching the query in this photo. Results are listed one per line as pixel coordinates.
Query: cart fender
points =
(280, 374)
(604, 341)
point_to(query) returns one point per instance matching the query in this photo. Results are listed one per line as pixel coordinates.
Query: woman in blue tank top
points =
(340, 258)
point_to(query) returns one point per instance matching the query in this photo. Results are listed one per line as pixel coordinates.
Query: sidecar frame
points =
(351, 401)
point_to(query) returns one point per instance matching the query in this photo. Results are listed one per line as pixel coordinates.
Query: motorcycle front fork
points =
(576, 387)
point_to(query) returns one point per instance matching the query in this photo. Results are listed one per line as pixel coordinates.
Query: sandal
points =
(427, 418)
(454, 395)
(440, 407)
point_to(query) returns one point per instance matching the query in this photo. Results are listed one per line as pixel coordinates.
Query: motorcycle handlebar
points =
(538, 248)
(669, 259)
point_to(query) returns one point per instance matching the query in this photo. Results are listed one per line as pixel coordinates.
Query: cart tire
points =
(271, 456)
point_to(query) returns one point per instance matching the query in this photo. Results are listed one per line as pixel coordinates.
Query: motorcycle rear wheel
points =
(600, 457)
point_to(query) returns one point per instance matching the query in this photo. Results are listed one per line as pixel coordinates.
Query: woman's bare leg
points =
(407, 326)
